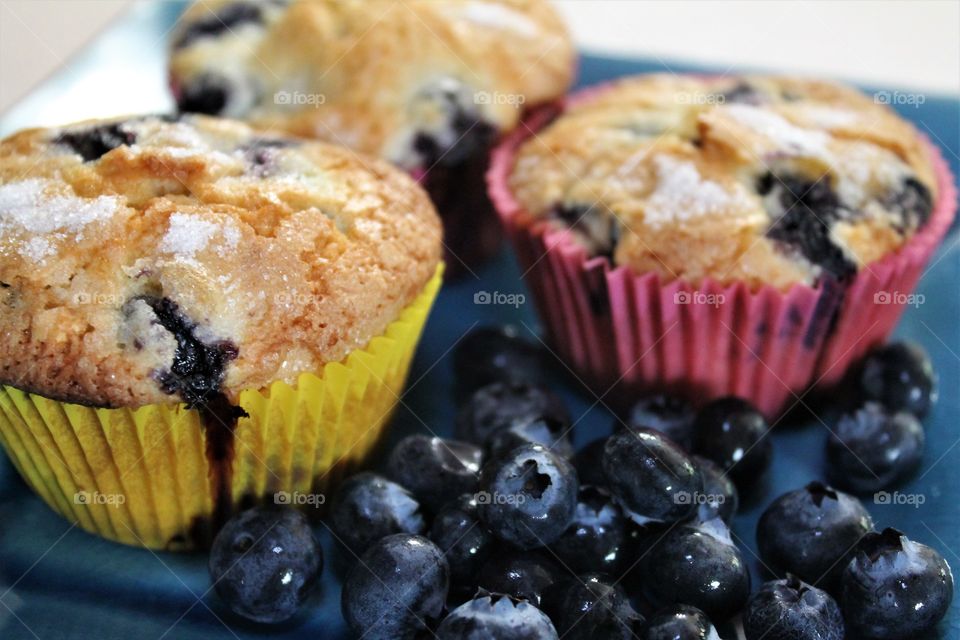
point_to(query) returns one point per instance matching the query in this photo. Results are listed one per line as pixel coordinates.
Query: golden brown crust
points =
(374, 74)
(729, 178)
(293, 253)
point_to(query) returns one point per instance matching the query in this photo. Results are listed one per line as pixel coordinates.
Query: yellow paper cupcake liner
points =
(142, 476)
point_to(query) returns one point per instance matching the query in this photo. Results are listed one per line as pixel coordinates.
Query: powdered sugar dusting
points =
(31, 207)
(500, 17)
(682, 193)
(784, 134)
(188, 234)
(829, 117)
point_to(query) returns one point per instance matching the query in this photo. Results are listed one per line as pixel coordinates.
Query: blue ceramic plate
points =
(59, 582)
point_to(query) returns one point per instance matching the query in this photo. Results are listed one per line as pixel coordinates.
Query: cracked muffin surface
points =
(409, 81)
(155, 259)
(759, 179)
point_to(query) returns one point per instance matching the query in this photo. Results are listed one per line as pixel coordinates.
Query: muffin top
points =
(155, 259)
(764, 180)
(402, 80)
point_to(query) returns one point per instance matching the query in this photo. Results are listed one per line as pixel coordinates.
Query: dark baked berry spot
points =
(803, 213)
(227, 18)
(197, 371)
(204, 94)
(743, 93)
(912, 202)
(94, 142)
(464, 135)
(261, 152)
(598, 230)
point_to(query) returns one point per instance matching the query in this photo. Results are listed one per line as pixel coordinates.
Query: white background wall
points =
(911, 43)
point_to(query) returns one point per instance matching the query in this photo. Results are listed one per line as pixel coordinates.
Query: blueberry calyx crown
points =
(819, 492)
(877, 545)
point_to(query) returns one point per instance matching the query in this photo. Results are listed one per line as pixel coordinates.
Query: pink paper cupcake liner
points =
(625, 333)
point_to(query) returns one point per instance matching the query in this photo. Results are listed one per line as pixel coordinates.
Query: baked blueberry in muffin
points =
(801, 180)
(174, 270)
(427, 85)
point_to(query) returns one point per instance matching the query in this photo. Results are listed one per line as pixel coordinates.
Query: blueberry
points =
(93, 142)
(226, 18)
(732, 433)
(811, 533)
(791, 610)
(594, 226)
(463, 133)
(264, 563)
(435, 470)
(369, 507)
(397, 589)
(720, 498)
(680, 622)
(912, 201)
(894, 588)
(900, 376)
(589, 463)
(596, 540)
(700, 566)
(590, 607)
(519, 574)
(553, 435)
(803, 214)
(496, 354)
(207, 93)
(528, 497)
(496, 617)
(499, 405)
(744, 93)
(650, 476)
(466, 543)
(872, 449)
(668, 414)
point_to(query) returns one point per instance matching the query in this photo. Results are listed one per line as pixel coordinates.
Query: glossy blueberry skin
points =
(670, 415)
(680, 622)
(591, 606)
(500, 405)
(369, 507)
(650, 476)
(528, 498)
(596, 540)
(811, 533)
(792, 610)
(496, 354)
(519, 574)
(496, 617)
(871, 449)
(435, 470)
(732, 433)
(398, 588)
(265, 562)
(699, 566)
(589, 463)
(551, 434)
(894, 588)
(721, 498)
(463, 539)
(900, 376)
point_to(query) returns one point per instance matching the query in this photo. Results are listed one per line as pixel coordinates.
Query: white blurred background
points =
(908, 43)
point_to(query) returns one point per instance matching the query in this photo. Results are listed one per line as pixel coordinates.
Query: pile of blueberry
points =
(507, 533)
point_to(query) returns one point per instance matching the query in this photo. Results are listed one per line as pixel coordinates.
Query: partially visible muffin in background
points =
(198, 280)
(721, 235)
(429, 86)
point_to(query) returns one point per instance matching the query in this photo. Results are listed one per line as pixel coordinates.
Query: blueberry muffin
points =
(197, 315)
(427, 85)
(750, 212)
